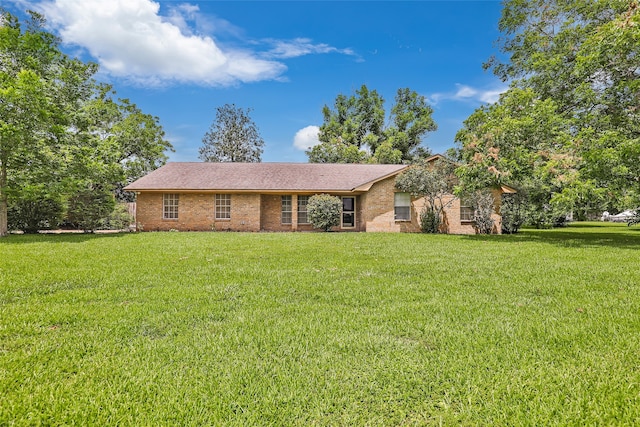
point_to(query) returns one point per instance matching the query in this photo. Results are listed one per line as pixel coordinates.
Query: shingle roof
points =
(263, 177)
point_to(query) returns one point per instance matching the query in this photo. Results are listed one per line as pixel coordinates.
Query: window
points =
(286, 209)
(170, 206)
(402, 206)
(348, 212)
(466, 211)
(302, 209)
(223, 206)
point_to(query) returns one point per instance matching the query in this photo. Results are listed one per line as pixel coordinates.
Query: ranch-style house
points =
(273, 197)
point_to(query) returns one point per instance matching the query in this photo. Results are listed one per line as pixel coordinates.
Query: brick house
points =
(273, 197)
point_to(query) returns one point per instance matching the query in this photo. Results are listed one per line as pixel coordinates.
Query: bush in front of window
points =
(323, 211)
(434, 182)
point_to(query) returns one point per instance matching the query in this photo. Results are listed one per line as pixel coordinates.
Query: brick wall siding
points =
(196, 212)
(255, 212)
(378, 212)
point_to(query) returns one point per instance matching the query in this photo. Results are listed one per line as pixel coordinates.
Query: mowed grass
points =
(540, 328)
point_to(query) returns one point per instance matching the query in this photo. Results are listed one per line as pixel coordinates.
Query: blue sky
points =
(179, 60)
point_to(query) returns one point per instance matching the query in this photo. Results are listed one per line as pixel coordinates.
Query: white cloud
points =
(468, 93)
(465, 92)
(130, 39)
(306, 138)
(492, 96)
(181, 15)
(301, 46)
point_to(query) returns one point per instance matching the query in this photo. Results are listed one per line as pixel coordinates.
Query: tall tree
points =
(411, 121)
(39, 87)
(584, 56)
(114, 142)
(353, 130)
(232, 137)
(61, 132)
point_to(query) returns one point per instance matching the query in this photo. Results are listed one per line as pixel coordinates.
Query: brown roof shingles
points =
(262, 177)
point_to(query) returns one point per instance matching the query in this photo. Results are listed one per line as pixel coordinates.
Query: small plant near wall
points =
(482, 202)
(324, 210)
(429, 221)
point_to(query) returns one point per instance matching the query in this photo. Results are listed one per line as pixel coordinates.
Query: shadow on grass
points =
(578, 235)
(22, 239)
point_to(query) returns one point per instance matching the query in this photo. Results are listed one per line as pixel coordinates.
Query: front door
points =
(348, 212)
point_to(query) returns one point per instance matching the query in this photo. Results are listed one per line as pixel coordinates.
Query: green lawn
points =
(541, 328)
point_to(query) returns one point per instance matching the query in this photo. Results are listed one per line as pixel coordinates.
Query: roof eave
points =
(244, 191)
(367, 185)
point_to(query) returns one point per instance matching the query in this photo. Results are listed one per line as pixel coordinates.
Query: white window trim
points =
(170, 200)
(227, 198)
(395, 205)
(283, 212)
(465, 205)
(303, 211)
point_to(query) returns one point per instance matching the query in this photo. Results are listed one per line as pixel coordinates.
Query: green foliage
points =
(519, 139)
(429, 220)
(324, 210)
(538, 328)
(34, 210)
(434, 181)
(483, 207)
(583, 198)
(386, 154)
(39, 90)
(90, 208)
(412, 120)
(353, 131)
(114, 142)
(59, 127)
(232, 137)
(580, 59)
(119, 219)
(512, 211)
(336, 152)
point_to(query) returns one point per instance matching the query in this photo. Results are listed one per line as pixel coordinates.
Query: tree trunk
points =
(3, 216)
(4, 230)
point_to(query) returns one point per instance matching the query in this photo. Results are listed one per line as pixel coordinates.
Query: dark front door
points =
(348, 212)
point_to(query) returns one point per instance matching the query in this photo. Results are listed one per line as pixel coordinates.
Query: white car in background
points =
(622, 216)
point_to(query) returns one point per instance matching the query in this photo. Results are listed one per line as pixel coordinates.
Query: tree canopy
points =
(232, 137)
(354, 129)
(60, 131)
(569, 126)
